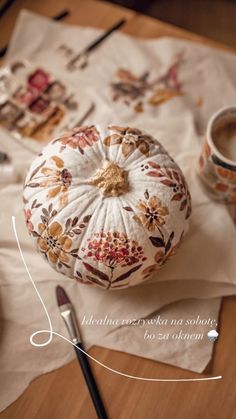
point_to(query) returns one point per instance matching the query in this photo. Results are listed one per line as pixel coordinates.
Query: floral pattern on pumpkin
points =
(112, 249)
(59, 178)
(129, 140)
(152, 213)
(79, 138)
(162, 255)
(139, 91)
(173, 179)
(55, 240)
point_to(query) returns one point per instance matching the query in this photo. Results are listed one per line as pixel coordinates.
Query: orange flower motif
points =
(225, 173)
(163, 95)
(58, 177)
(53, 243)
(129, 139)
(152, 213)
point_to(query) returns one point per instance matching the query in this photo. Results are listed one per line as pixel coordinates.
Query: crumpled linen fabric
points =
(204, 267)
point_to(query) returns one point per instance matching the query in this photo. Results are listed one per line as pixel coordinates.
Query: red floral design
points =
(112, 249)
(29, 224)
(80, 138)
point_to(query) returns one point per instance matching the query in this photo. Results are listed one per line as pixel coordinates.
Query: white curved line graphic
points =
(51, 332)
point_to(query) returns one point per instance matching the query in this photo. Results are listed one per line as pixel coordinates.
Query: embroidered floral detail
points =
(141, 91)
(129, 140)
(59, 177)
(152, 214)
(55, 240)
(112, 249)
(173, 179)
(79, 138)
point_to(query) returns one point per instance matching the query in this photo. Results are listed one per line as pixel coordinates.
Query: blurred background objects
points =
(215, 19)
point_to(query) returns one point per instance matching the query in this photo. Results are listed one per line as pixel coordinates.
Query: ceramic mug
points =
(217, 162)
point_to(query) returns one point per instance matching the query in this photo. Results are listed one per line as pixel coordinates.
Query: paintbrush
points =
(81, 58)
(68, 315)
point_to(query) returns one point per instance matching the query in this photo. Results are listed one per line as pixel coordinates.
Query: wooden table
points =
(62, 393)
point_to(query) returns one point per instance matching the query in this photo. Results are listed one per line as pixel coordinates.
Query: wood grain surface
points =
(62, 394)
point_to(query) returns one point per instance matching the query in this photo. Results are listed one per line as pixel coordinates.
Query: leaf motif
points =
(120, 286)
(75, 221)
(87, 218)
(146, 194)
(38, 205)
(96, 272)
(177, 197)
(188, 213)
(169, 173)
(68, 223)
(126, 274)
(128, 209)
(50, 208)
(176, 175)
(154, 174)
(168, 246)
(45, 212)
(168, 182)
(36, 170)
(154, 165)
(183, 205)
(33, 185)
(35, 234)
(77, 231)
(95, 281)
(172, 235)
(82, 225)
(78, 274)
(157, 241)
(65, 264)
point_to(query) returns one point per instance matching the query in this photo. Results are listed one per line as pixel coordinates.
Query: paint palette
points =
(37, 105)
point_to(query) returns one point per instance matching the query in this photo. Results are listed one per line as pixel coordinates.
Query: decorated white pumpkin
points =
(106, 206)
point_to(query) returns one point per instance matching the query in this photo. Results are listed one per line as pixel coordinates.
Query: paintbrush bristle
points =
(62, 297)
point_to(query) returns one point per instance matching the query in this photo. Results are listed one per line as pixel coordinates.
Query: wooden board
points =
(62, 393)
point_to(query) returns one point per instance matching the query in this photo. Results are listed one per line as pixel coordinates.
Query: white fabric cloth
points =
(204, 269)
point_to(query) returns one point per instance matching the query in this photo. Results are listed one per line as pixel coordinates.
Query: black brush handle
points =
(105, 35)
(91, 383)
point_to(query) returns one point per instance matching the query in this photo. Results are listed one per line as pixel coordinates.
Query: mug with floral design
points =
(217, 162)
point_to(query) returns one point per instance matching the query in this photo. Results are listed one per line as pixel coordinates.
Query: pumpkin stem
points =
(111, 179)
